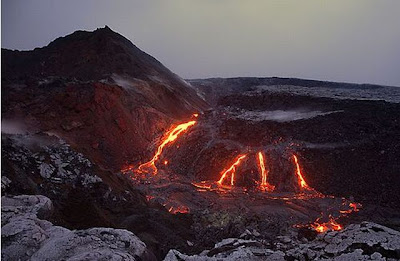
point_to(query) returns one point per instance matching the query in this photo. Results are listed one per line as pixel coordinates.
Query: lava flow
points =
(264, 173)
(231, 170)
(179, 209)
(353, 207)
(172, 136)
(227, 181)
(323, 227)
(302, 182)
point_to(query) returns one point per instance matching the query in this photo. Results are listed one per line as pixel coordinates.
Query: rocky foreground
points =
(365, 241)
(27, 235)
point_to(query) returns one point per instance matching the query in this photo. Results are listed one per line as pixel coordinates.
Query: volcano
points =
(256, 168)
(98, 91)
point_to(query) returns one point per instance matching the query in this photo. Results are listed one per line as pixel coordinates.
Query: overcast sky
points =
(338, 40)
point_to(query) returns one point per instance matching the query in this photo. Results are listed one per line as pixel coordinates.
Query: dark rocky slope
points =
(84, 195)
(98, 91)
(347, 135)
(78, 110)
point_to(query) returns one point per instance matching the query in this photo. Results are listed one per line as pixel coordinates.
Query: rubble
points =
(5, 182)
(26, 236)
(52, 158)
(364, 241)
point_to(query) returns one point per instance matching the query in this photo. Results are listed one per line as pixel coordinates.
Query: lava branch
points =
(301, 181)
(332, 224)
(264, 173)
(172, 136)
(323, 227)
(231, 170)
(179, 209)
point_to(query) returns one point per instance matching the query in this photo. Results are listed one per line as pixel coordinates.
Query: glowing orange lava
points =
(335, 226)
(179, 209)
(231, 170)
(353, 207)
(264, 173)
(149, 197)
(320, 228)
(195, 115)
(301, 181)
(323, 227)
(202, 185)
(332, 224)
(172, 136)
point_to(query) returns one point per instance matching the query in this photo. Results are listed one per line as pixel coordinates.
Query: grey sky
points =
(338, 40)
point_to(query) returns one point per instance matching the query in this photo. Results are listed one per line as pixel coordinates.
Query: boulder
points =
(26, 236)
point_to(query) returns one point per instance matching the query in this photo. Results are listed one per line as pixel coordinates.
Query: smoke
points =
(280, 116)
(21, 135)
(128, 83)
(12, 127)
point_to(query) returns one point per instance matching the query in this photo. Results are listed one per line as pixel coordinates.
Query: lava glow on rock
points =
(179, 209)
(264, 173)
(227, 181)
(231, 170)
(300, 177)
(323, 227)
(171, 137)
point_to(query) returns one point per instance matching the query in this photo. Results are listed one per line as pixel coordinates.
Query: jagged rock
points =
(46, 170)
(285, 239)
(5, 182)
(365, 241)
(246, 233)
(85, 195)
(52, 158)
(256, 233)
(25, 236)
(38, 205)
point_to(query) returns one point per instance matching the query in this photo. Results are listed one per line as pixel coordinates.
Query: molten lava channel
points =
(301, 181)
(175, 132)
(264, 174)
(171, 137)
(231, 170)
(323, 227)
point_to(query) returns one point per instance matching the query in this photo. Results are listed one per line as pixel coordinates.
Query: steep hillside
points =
(98, 91)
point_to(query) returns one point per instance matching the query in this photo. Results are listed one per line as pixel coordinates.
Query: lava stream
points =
(301, 181)
(172, 136)
(264, 173)
(323, 227)
(231, 170)
(179, 209)
(353, 207)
